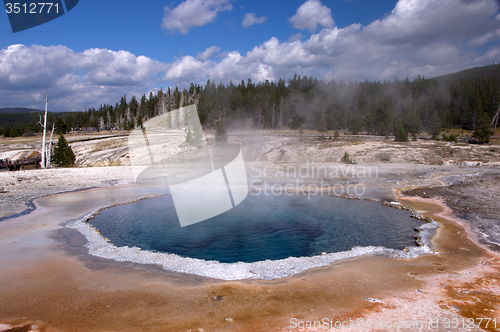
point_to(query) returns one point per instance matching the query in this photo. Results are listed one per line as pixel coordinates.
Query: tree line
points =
(465, 100)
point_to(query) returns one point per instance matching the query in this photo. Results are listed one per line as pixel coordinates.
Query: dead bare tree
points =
(272, 117)
(494, 121)
(44, 125)
(280, 120)
(49, 150)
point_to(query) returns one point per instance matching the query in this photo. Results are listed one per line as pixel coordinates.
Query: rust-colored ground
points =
(49, 282)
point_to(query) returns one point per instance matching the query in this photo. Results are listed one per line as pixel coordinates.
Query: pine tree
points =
(336, 134)
(61, 126)
(139, 122)
(483, 130)
(435, 125)
(401, 135)
(63, 154)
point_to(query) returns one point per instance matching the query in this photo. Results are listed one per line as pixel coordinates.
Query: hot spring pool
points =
(260, 228)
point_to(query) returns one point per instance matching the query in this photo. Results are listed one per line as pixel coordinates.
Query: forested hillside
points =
(460, 100)
(26, 121)
(18, 110)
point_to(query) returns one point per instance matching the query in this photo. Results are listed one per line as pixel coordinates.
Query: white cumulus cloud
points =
(187, 69)
(208, 53)
(312, 14)
(76, 79)
(193, 13)
(251, 18)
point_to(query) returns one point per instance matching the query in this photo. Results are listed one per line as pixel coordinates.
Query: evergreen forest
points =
(460, 100)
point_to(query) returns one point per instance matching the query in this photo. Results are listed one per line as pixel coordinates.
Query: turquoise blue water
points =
(261, 227)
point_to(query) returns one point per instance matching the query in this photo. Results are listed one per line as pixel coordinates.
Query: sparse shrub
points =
(336, 134)
(321, 138)
(346, 159)
(385, 157)
(414, 137)
(450, 138)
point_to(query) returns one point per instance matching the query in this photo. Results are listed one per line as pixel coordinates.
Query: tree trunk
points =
(49, 152)
(44, 127)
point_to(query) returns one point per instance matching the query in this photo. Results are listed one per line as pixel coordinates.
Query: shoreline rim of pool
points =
(99, 246)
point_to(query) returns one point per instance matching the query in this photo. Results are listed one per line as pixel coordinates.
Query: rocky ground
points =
(289, 146)
(473, 197)
(19, 188)
(284, 146)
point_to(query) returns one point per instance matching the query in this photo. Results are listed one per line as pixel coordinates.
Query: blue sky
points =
(104, 49)
(135, 26)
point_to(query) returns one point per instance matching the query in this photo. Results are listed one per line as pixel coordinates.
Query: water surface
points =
(261, 227)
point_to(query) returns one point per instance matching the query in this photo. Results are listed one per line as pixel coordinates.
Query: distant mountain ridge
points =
(19, 110)
(491, 71)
